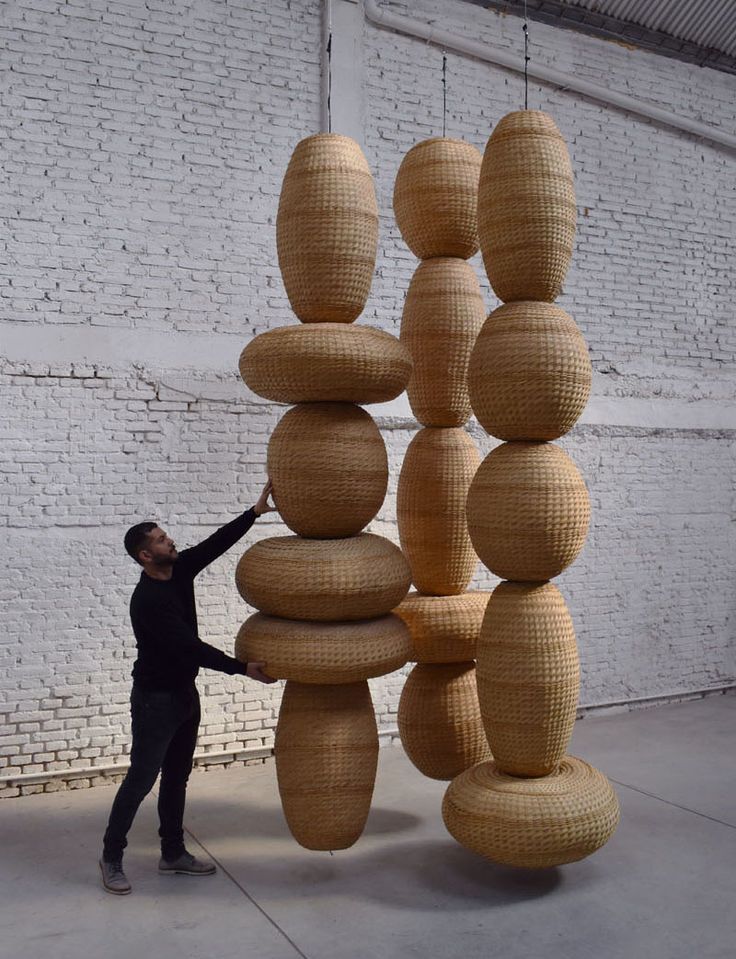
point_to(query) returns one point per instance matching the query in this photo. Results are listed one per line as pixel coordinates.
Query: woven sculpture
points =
(443, 629)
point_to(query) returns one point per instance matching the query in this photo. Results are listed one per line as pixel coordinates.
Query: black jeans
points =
(164, 730)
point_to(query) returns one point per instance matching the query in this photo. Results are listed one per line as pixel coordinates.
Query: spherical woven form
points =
(433, 485)
(443, 314)
(435, 198)
(326, 361)
(528, 511)
(361, 577)
(326, 755)
(439, 720)
(329, 469)
(529, 375)
(443, 629)
(309, 652)
(528, 677)
(327, 229)
(533, 823)
(526, 208)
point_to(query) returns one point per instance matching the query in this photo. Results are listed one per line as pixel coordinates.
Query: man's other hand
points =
(256, 671)
(263, 506)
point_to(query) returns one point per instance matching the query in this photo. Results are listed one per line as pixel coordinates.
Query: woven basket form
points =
(443, 629)
(528, 677)
(327, 229)
(439, 720)
(529, 375)
(329, 469)
(433, 485)
(526, 208)
(326, 755)
(528, 511)
(443, 314)
(532, 823)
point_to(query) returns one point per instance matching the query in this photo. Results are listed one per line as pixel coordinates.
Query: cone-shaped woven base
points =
(329, 469)
(529, 374)
(444, 629)
(326, 361)
(336, 579)
(532, 822)
(439, 720)
(528, 511)
(326, 755)
(528, 677)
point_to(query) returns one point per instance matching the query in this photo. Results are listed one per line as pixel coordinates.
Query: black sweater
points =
(164, 618)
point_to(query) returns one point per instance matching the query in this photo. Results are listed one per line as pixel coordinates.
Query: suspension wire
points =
(444, 93)
(527, 58)
(329, 82)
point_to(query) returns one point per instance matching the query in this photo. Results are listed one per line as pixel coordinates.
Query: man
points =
(164, 700)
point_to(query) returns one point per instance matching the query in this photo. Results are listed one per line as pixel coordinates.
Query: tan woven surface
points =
(529, 375)
(329, 469)
(439, 720)
(443, 629)
(528, 511)
(326, 755)
(532, 823)
(443, 314)
(528, 677)
(335, 579)
(326, 361)
(435, 198)
(526, 207)
(327, 229)
(430, 507)
(310, 652)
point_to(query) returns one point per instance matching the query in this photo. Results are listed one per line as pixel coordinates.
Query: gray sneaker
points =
(114, 879)
(186, 865)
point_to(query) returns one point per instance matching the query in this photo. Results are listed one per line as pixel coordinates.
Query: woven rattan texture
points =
(361, 577)
(326, 755)
(528, 677)
(433, 485)
(439, 720)
(329, 469)
(528, 511)
(309, 652)
(443, 314)
(435, 198)
(327, 229)
(532, 823)
(443, 629)
(326, 361)
(529, 375)
(526, 208)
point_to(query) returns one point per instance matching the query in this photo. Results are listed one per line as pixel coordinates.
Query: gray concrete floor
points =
(663, 888)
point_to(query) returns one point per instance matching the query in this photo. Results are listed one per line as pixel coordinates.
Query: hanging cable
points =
(444, 93)
(526, 59)
(329, 82)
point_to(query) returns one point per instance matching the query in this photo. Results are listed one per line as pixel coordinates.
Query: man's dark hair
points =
(135, 539)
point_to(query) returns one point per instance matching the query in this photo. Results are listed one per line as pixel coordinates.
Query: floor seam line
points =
(669, 802)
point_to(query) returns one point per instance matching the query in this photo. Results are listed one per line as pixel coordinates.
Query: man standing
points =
(164, 702)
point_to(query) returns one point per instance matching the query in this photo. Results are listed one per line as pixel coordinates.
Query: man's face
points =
(159, 549)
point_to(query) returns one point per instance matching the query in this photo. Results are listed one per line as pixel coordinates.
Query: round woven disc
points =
(528, 511)
(329, 469)
(444, 629)
(529, 374)
(532, 823)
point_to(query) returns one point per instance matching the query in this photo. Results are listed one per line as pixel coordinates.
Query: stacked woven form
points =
(435, 200)
(325, 595)
(528, 513)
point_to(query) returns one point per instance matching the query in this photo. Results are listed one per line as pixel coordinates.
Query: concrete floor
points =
(663, 888)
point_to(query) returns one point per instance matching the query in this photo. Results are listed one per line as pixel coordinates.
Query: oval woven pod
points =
(526, 208)
(443, 314)
(326, 756)
(528, 511)
(443, 629)
(327, 229)
(361, 577)
(329, 469)
(326, 361)
(528, 677)
(436, 196)
(529, 375)
(533, 823)
(439, 720)
(309, 652)
(430, 507)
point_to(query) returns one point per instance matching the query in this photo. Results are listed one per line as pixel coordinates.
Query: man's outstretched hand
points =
(255, 671)
(263, 506)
